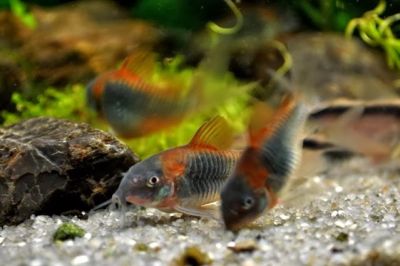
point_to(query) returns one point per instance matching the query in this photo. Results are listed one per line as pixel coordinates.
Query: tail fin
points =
(277, 135)
(265, 121)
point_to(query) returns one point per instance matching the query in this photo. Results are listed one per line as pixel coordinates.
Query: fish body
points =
(185, 178)
(265, 165)
(369, 128)
(134, 106)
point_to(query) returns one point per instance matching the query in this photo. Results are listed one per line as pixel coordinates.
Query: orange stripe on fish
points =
(173, 164)
(137, 68)
(252, 169)
(265, 121)
(152, 124)
(98, 88)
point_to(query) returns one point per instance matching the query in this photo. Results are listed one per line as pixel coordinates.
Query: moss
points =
(141, 247)
(68, 231)
(342, 237)
(68, 104)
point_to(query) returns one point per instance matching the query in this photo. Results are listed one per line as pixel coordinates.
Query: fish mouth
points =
(232, 225)
(235, 226)
(138, 200)
(234, 221)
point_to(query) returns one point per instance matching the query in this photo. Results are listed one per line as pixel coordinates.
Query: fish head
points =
(241, 204)
(90, 99)
(144, 184)
(93, 94)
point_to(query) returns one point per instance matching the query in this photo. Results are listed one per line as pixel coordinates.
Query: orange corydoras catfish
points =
(133, 105)
(265, 165)
(184, 178)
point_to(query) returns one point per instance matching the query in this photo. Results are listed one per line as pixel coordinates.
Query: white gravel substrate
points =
(349, 217)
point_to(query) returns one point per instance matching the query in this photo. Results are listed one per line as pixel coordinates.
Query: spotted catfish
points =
(135, 106)
(265, 165)
(185, 178)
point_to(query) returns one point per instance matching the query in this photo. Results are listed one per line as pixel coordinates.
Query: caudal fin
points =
(265, 121)
(278, 136)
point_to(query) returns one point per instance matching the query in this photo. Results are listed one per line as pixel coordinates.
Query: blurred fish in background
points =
(133, 104)
(369, 128)
(140, 98)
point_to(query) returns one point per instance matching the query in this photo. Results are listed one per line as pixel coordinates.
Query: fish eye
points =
(247, 203)
(152, 181)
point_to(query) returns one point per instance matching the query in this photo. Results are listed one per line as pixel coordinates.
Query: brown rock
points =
(50, 166)
(326, 64)
(333, 66)
(12, 31)
(74, 42)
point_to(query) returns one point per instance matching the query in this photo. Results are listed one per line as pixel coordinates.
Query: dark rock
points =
(50, 166)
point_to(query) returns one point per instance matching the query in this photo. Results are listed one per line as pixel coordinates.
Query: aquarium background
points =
(61, 154)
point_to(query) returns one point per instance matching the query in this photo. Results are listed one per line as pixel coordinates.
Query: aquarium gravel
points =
(350, 217)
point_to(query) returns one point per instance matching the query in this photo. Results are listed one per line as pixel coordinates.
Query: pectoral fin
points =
(208, 211)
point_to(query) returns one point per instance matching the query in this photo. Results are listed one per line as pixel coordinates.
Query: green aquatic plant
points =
(378, 31)
(325, 14)
(286, 65)
(20, 10)
(234, 110)
(68, 103)
(228, 31)
(68, 231)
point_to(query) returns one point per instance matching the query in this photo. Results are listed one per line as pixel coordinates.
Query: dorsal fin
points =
(265, 121)
(138, 70)
(215, 133)
(141, 63)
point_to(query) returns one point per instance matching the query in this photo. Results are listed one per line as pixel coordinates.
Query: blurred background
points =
(50, 50)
